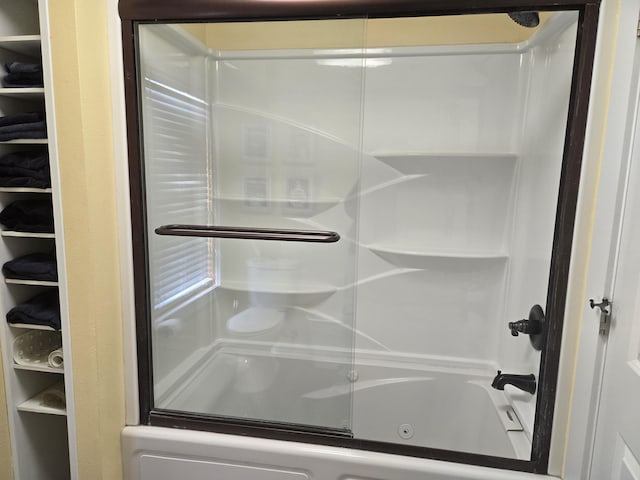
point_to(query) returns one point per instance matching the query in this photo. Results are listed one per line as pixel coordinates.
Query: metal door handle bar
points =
(283, 235)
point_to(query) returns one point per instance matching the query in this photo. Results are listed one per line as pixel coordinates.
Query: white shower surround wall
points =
(498, 253)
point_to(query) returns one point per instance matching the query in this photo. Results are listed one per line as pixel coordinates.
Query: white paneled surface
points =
(268, 456)
(154, 466)
(442, 103)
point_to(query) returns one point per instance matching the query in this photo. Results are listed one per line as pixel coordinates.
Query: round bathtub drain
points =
(405, 431)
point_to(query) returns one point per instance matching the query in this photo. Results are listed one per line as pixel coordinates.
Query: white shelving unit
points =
(41, 426)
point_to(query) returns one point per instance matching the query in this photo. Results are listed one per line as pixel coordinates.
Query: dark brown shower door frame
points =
(134, 12)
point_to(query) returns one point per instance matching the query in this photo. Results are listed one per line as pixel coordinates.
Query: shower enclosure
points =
(356, 231)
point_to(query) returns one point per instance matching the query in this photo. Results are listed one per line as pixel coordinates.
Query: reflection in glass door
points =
(350, 223)
(252, 162)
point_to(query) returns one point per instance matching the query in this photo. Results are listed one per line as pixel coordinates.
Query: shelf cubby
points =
(40, 404)
(40, 444)
(28, 45)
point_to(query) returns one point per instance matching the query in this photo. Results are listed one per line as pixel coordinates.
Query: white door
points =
(616, 453)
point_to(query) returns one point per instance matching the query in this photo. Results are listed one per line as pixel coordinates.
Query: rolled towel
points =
(56, 358)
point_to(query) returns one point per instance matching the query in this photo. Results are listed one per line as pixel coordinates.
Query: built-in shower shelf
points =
(420, 163)
(299, 295)
(286, 207)
(421, 258)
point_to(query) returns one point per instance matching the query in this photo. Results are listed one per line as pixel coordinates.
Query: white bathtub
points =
(444, 408)
(154, 453)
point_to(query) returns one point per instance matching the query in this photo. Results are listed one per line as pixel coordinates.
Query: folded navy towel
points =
(26, 181)
(25, 169)
(34, 266)
(22, 80)
(21, 118)
(27, 160)
(43, 309)
(28, 216)
(19, 67)
(23, 127)
(26, 134)
(9, 171)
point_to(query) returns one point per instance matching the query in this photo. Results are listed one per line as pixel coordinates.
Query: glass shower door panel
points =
(275, 154)
(464, 127)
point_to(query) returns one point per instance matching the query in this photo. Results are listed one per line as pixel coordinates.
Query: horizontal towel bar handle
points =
(284, 235)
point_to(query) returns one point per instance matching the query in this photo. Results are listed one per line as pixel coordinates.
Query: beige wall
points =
(80, 57)
(447, 30)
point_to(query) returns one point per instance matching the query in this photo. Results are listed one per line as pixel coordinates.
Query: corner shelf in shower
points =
(301, 295)
(419, 163)
(412, 257)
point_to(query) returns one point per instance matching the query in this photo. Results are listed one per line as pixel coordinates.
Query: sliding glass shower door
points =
(358, 231)
(251, 201)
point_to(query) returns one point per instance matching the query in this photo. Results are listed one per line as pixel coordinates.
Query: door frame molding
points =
(610, 176)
